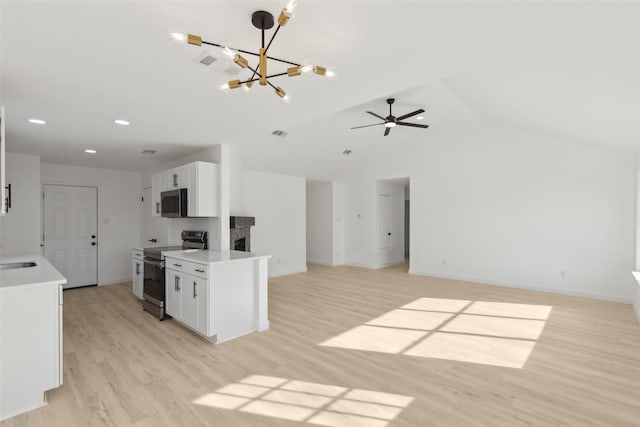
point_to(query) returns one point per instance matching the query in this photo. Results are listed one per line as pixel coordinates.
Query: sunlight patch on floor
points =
(490, 333)
(313, 403)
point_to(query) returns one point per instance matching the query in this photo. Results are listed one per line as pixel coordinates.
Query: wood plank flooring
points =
(122, 367)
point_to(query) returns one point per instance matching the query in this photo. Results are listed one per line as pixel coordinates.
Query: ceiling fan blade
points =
(406, 116)
(375, 115)
(366, 126)
(415, 125)
(386, 131)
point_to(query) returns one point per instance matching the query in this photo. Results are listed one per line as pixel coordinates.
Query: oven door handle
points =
(152, 262)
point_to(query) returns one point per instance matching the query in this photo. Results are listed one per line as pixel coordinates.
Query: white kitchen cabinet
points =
(158, 184)
(221, 294)
(202, 189)
(186, 295)
(138, 273)
(3, 173)
(201, 181)
(177, 177)
(30, 335)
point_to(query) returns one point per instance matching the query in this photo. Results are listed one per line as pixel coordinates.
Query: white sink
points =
(12, 265)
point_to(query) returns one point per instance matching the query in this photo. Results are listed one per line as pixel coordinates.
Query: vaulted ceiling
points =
(570, 69)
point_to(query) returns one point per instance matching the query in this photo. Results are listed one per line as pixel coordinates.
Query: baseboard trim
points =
(483, 281)
(288, 272)
(313, 261)
(114, 281)
(636, 308)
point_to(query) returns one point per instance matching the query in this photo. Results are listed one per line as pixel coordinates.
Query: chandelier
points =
(263, 21)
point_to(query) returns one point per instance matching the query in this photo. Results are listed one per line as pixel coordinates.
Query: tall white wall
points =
(20, 230)
(278, 204)
(636, 287)
(320, 222)
(504, 206)
(119, 207)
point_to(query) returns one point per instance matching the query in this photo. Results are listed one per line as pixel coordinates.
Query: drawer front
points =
(137, 254)
(188, 267)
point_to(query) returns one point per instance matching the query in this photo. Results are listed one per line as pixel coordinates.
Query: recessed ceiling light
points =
(148, 152)
(90, 151)
(37, 121)
(121, 122)
(420, 118)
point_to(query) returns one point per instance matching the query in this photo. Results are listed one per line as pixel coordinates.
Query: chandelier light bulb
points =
(291, 5)
(246, 88)
(179, 37)
(306, 68)
(286, 99)
(224, 87)
(231, 54)
(330, 74)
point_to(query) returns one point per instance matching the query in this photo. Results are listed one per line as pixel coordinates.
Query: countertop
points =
(42, 274)
(212, 256)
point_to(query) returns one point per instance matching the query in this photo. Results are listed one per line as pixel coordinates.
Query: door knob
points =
(93, 243)
(93, 236)
(153, 240)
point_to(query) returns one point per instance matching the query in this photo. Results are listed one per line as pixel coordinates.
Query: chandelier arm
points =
(272, 37)
(232, 48)
(284, 61)
(271, 84)
(278, 75)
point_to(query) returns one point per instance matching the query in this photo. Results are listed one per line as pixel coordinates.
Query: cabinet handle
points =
(177, 285)
(199, 271)
(195, 284)
(175, 179)
(177, 265)
(157, 207)
(137, 269)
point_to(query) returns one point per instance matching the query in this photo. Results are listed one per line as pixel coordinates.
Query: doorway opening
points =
(393, 222)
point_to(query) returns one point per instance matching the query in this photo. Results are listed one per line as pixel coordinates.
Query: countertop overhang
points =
(42, 274)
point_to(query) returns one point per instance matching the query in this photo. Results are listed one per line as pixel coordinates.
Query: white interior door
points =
(150, 232)
(384, 221)
(71, 231)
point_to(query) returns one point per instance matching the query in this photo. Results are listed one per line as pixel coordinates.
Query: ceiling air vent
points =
(149, 152)
(346, 152)
(279, 133)
(205, 58)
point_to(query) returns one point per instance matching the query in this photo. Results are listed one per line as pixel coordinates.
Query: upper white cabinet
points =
(201, 181)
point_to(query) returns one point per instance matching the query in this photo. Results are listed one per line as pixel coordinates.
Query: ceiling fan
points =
(391, 121)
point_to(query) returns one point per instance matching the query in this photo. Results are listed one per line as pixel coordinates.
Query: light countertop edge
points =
(213, 256)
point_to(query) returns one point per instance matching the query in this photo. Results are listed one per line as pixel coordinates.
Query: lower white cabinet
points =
(138, 273)
(30, 345)
(186, 299)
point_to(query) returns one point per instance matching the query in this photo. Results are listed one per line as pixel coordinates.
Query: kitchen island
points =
(30, 332)
(219, 294)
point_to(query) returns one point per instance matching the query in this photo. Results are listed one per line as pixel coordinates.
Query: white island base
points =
(219, 294)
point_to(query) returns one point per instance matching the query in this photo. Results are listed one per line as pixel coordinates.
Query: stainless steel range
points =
(153, 285)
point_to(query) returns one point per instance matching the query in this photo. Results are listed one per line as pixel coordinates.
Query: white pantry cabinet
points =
(201, 181)
(138, 273)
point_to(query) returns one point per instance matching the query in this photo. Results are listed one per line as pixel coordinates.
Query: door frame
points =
(66, 183)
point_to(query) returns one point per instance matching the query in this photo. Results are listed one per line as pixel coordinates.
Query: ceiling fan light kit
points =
(391, 121)
(263, 21)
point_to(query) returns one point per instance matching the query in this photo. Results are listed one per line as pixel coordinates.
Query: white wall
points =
(119, 204)
(338, 223)
(504, 206)
(20, 229)
(278, 204)
(319, 222)
(636, 287)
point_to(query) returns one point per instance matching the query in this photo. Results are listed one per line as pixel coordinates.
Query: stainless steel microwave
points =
(173, 204)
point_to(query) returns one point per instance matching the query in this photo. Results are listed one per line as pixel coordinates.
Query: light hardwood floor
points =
(122, 367)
